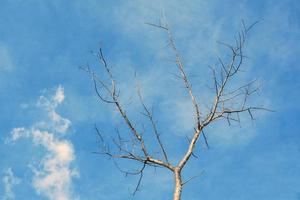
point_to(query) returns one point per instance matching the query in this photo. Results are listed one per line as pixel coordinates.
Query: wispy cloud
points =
(5, 58)
(9, 180)
(54, 178)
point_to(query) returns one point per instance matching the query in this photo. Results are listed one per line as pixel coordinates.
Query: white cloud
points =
(57, 123)
(9, 181)
(59, 95)
(54, 178)
(17, 133)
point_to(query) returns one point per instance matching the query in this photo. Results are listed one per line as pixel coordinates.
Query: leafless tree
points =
(227, 105)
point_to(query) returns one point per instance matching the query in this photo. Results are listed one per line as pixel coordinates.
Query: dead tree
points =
(227, 105)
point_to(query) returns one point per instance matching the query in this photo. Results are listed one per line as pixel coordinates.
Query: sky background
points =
(48, 106)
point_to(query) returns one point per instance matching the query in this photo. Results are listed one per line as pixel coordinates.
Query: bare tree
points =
(227, 105)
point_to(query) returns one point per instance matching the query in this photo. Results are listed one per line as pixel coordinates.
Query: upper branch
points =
(183, 74)
(185, 79)
(149, 115)
(107, 93)
(228, 72)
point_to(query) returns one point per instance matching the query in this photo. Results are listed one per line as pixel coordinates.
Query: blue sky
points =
(48, 106)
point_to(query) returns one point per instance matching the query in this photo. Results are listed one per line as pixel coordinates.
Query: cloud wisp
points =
(53, 179)
(6, 63)
(9, 180)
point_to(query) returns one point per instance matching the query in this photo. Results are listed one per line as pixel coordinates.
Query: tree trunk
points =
(178, 185)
